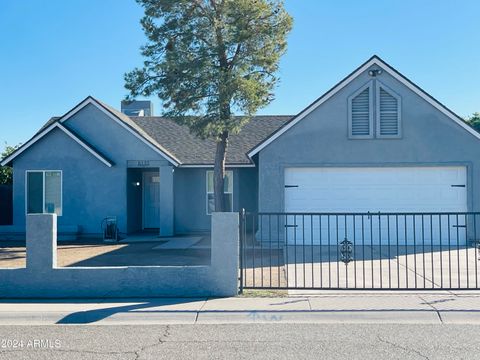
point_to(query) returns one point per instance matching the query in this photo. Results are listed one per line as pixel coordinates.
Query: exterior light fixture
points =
(375, 72)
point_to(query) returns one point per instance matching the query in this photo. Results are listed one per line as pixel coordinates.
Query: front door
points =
(151, 200)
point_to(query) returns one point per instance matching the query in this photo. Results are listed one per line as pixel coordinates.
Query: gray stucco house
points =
(374, 142)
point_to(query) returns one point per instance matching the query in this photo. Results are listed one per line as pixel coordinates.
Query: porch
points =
(150, 205)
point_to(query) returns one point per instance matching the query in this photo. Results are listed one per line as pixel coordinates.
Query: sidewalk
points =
(326, 307)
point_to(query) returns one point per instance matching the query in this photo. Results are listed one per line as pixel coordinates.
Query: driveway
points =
(404, 267)
(383, 267)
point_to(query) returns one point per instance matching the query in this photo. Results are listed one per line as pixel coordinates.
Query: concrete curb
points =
(421, 308)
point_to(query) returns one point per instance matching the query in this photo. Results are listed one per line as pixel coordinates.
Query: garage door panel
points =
(444, 230)
(383, 189)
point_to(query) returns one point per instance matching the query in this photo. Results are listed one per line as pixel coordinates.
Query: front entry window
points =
(227, 190)
(44, 192)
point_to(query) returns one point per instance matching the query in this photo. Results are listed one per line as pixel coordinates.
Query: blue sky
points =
(53, 53)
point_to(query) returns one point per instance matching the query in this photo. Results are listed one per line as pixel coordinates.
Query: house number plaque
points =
(145, 163)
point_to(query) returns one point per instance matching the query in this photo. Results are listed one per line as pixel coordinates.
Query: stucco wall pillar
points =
(166, 201)
(225, 251)
(41, 242)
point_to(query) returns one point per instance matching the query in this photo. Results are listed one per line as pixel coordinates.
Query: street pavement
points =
(244, 341)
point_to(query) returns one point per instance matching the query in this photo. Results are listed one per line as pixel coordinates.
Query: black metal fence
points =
(359, 250)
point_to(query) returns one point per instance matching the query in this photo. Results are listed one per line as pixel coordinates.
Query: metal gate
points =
(370, 251)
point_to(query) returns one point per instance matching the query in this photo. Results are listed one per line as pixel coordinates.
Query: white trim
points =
(27, 145)
(99, 106)
(369, 86)
(212, 166)
(43, 192)
(434, 103)
(374, 61)
(76, 109)
(210, 192)
(379, 85)
(85, 146)
(61, 192)
(45, 132)
(310, 108)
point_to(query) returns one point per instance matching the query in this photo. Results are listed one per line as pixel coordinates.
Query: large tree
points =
(474, 120)
(209, 59)
(6, 173)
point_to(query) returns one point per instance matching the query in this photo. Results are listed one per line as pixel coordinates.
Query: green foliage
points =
(6, 173)
(474, 121)
(207, 59)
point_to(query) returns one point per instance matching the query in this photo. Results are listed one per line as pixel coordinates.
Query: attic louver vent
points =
(388, 114)
(361, 114)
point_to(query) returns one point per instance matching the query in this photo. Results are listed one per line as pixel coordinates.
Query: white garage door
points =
(372, 189)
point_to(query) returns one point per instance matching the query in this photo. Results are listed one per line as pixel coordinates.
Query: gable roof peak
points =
(375, 56)
(375, 59)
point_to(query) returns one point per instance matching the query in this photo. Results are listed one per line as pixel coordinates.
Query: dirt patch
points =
(263, 293)
(12, 255)
(82, 254)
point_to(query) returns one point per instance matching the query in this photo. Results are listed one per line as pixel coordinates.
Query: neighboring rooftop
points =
(137, 108)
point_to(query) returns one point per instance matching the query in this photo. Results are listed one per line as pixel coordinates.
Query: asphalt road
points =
(247, 341)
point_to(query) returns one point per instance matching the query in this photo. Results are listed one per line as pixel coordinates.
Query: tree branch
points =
(234, 57)
(199, 5)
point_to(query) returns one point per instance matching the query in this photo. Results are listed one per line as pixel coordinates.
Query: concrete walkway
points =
(328, 307)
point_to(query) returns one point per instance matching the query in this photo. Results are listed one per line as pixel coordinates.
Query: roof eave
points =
(91, 100)
(9, 159)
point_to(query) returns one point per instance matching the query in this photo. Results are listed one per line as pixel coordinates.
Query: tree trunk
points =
(224, 101)
(219, 172)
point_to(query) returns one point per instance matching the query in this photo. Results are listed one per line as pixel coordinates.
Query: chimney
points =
(137, 108)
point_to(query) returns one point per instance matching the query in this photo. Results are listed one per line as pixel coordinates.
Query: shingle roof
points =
(48, 123)
(191, 150)
(176, 142)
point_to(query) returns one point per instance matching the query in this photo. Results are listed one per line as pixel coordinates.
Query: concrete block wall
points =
(43, 279)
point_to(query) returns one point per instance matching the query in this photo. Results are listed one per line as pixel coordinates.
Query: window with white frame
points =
(227, 191)
(44, 192)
